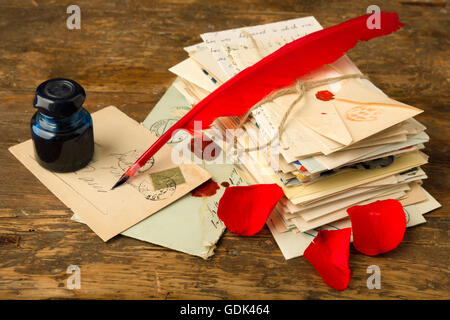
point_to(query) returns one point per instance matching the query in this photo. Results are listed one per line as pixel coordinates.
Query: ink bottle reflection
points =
(61, 128)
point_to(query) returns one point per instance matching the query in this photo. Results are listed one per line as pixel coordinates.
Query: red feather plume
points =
(282, 67)
(277, 70)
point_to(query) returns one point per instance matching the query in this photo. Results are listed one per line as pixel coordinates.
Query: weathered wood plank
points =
(121, 56)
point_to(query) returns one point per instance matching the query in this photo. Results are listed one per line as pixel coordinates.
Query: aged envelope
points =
(303, 194)
(119, 141)
(415, 195)
(304, 225)
(206, 59)
(347, 180)
(321, 210)
(356, 112)
(190, 224)
(190, 70)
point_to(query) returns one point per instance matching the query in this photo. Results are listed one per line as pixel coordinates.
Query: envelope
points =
(190, 70)
(305, 142)
(346, 180)
(355, 113)
(415, 195)
(119, 141)
(358, 111)
(318, 211)
(207, 61)
(366, 111)
(376, 185)
(304, 225)
(339, 183)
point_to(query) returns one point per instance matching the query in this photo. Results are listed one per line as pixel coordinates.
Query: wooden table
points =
(121, 55)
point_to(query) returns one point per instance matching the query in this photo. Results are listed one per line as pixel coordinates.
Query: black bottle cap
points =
(59, 97)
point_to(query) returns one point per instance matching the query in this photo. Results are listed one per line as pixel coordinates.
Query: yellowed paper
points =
(304, 225)
(415, 195)
(352, 178)
(119, 141)
(278, 223)
(318, 211)
(207, 61)
(191, 71)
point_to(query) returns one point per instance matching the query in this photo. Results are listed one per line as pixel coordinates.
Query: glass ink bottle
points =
(61, 128)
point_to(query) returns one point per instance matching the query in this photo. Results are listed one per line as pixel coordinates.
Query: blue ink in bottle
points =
(61, 129)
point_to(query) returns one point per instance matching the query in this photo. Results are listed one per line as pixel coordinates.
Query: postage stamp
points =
(160, 178)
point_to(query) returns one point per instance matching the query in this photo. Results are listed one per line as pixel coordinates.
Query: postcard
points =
(119, 141)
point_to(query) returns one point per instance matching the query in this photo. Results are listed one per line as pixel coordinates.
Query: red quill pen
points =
(277, 70)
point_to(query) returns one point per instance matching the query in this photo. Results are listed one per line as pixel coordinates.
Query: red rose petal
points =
(324, 95)
(329, 254)
(245, 209)
(377, 227)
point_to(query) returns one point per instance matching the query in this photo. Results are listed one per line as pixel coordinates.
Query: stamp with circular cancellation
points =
(146, 189)
(162, 184)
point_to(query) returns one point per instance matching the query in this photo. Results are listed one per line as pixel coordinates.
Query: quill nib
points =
(124, 178)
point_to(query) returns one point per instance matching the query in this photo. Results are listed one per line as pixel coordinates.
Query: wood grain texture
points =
(121, 56)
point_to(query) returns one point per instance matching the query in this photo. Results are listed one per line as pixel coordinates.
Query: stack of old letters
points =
(344, 143)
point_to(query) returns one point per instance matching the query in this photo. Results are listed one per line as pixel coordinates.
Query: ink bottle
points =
(61, 128)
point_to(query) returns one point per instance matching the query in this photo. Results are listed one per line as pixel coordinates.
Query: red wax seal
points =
(324, 95)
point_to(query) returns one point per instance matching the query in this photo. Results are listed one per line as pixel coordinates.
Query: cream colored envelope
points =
(355, 113)
(376, 185)
(190, 70)
(304, 194)
(415, 195)
(359, 111)
(366, 111)
(119, 141)
(318, 211)
(304, 225)
(207, 61)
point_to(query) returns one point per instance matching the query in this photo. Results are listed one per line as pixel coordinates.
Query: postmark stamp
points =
(161, 126)
(362, 113)
(148, 191)
(127, 159)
